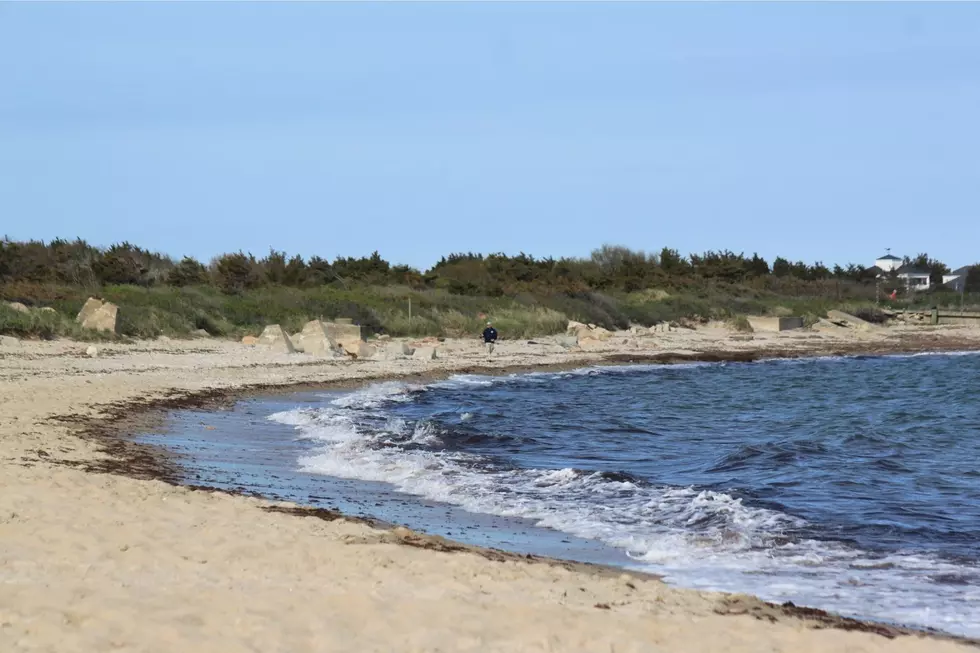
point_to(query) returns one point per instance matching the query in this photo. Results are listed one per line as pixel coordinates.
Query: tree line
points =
(608, 268)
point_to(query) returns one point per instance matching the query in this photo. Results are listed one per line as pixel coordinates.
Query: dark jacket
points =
(489, 334)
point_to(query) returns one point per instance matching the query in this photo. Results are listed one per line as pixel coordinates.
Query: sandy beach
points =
(99, 552)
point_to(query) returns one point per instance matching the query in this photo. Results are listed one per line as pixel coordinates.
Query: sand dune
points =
(94, 561)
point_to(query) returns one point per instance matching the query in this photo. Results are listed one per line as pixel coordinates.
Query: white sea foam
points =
(695, 538)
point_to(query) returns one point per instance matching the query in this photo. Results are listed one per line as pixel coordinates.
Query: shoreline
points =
(106, 432)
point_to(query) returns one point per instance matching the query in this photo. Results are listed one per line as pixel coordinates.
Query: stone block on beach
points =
(425, 353)
(364, 352)
(568, 342)
(395, 350)
(850, 320)
(98, 315)
(91, 305)
(315, 340)
(826, 325)
(775, 323)
(344, 334)
(274, 337)
(587, 331)
(250, 340)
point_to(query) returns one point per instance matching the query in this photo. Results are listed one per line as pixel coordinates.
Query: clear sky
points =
(823, 131)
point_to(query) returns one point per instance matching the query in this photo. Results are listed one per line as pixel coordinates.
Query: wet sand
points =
(99, 550)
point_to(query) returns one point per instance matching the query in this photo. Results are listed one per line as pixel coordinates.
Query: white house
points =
(914, 278)
(956, 280)
(888, 263)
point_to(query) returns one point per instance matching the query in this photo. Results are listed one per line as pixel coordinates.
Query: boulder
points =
(365, 352)
(201, 333)
(98, 315)
(425, 353)
(398, 350)
(587, 332)
(275, 338)
(91, 305)
(827, 325)
(775, 324)
(568, 342)
(343, 334)
(163, 339)
(599, 333)
(17, 306)
(850, 320)
(250, 340)
(47, 309)
(92, 351)
(573, 327)
(315, 340)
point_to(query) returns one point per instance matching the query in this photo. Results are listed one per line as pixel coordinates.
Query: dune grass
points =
(147, 312)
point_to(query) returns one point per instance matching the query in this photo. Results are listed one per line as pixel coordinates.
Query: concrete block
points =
(274, 337)
(425, 353)
(775, 324)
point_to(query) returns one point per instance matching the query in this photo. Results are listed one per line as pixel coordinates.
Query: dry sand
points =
(95, 561)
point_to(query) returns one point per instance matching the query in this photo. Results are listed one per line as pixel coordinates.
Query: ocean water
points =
(848, 484)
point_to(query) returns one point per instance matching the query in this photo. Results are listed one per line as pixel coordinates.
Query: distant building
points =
(893, 266)
(888, 263)
(956, 280)
(915, 278)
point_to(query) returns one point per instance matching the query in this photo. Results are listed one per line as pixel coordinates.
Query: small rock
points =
(92, 351)
(250, 340)
(201, 333)
(20, 308)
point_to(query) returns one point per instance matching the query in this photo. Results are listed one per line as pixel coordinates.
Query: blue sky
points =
(814, 131)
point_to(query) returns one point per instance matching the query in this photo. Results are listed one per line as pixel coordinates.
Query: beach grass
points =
(147, 312)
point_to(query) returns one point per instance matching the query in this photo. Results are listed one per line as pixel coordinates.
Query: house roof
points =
(888, 257)
(962, 270)
(913, 271)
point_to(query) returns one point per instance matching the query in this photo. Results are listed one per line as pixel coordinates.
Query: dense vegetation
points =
(238, 293)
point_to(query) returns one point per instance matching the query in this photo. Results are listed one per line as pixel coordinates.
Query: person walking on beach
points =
(489, 338)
